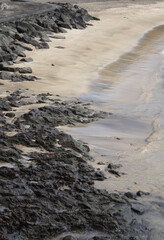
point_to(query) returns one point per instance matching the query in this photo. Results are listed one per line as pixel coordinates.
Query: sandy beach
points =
(81, 121)
(86, 52)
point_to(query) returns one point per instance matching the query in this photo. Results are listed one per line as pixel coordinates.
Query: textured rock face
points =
(46, 182)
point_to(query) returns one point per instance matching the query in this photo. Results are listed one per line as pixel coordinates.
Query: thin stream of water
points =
(132, 88)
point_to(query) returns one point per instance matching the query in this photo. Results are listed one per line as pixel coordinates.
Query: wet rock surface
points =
(46, 182)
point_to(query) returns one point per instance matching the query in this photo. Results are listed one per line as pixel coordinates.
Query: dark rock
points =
(21, 54)
(10, 63)
(25, 27)
(8, 69)
(44, 37)
(64, 24)
(43, 45)
(25, 70)
(3, 65)
(114, 166)
(21, 78)
(5, 56)
(17, 77)
(5, 40)
(21, 44)
(101, 163)
(59, 115)
(51, 191)
(116, 198)
(118, 138)
(114, 172)
(69, 237)
(18, 50)
(62, 30)
(130, 195)
(10, 115)
(99, 176)
(100, 238)
(137, 208)
(5, 75)
(60, 47)
(141, 193)
(4, 105)
(133, 238)
(26, 59)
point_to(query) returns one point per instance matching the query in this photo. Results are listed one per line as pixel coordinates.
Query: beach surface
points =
(101, 85)
(85, 52)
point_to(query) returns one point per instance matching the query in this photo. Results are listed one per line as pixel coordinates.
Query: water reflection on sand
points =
(132, 88)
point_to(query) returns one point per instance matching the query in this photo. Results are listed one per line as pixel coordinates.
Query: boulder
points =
(25, 70)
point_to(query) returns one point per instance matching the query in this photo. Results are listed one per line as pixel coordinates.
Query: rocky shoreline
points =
(35, 30)
(46, 182)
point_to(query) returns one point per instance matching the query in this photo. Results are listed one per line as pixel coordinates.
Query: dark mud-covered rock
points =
(69, 237)
(5, 75)
(60, 47)
(25, 70)
(60, 115)
(114, 172)
(44, 37)
(46, 182)
(141, 193)
(138, 208)
(16, 77)
(130, 195)
(100, 238)
(5, 67)
(114, 166)
(10, 115)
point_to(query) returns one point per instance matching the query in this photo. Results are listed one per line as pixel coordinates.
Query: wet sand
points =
(78, 64)
(85, 52)
(132, 89)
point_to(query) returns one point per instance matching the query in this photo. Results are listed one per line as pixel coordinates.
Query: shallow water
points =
(132, 88)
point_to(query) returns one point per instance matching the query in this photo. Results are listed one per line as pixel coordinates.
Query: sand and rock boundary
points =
(35, 30)
(46, 182)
